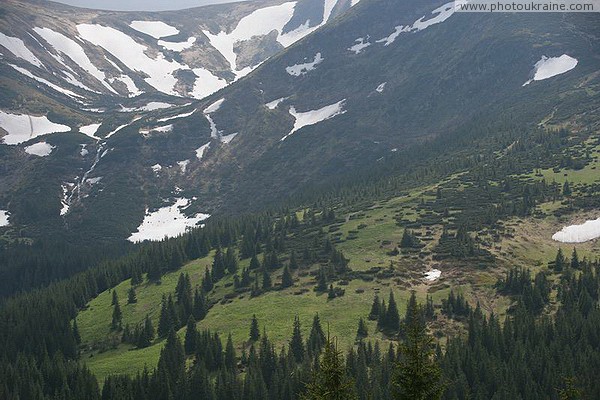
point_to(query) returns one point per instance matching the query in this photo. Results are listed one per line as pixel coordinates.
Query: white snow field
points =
(156, 168)
(315, 116)
(41, 149)
(301, 69)
(17, 47)
(433, 274)
(23, 127)
(132, 54)
(183, 165)
(184, 115)
(74, 51)
(201, 150)
(156, 29)
(4, 215)
(360, 45)
(206, 83)
(228, 138)
(178, 46)
(547, 67)
(214, 107)
(45, 82)
(129, 83)
(381, 87)
(585, 232)
(90, 130)
(441, 14)
(273, 104)
(165, 222)
(214, 132)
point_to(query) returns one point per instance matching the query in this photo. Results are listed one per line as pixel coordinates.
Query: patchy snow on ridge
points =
(17, 47)
(228, 138)
(129, 83)
(74, 51)
(156, 168)
(361, 44)
(443, 13)
(4, 215)
(587, 231)
(214, 107)
(156, 29)
(547, 67)
(273, 104)
(178, 46)
(206, 83)
(183, 165)
(45, 82)
(41, 149)
(23, 127)
(315, 116)
(381, 87)
(301, 69)
(184, 115)
(433, 274)
(166, 222)
(201, 150)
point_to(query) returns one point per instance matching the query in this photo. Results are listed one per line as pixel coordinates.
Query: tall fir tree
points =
(297, 343)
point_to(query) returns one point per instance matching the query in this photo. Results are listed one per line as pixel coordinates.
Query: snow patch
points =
(228, 138)
(45, 82)
(206, 83)
(4, 216)
(178, 46)
(273, 104)
(433, 274)
(156, 168)
(17, 47)
(381, 87)
(41, 149)
(201, 150)
(22, 127)
(129, 83)
(183, 165)
(361, 44)
(90, 130)
(214, 107)
(315, 116)
(184, 115)
(547, 67)
(83, 152)
(587, 231)
(156, 29)
(301, 69)
(166, 222)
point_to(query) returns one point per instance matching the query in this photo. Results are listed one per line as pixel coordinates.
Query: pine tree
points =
(131, 297)
(254, 329)
(374, 314)
(316, 339)
(297, 343)
(567, 189)
(417, 375)
(392, 318)
(293, 261)
(230, 356)
(266, 280)
(190, 336)
(76, 334)
(574, 259)
(231, 261)
(200, 307)
(117, 317)
(171, 363)
(330, 381)
(146, 335)
(254, 263)
(165, 323)
(321, 281)
(286, 278)
(115, 298)
(362, 331)
(218, 266)
(559, 261)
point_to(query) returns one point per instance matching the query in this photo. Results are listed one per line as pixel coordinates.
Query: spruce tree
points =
(296, 343)
(117, 317)
(254, 329)
(254, 263)
(230, 356)
(574, 259)
(559, 261)
(293, 261)
(316, 339)
(191, 335)
(76, 334)
(115, 298)
(131, 297)
(374, 314)
(321, 281)
(199, 310)
(392, 318)
(286, 278)
(266, 280)
(165, 323)
(362, 331)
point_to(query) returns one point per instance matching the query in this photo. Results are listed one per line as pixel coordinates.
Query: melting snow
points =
(183, 165)
(313, 117)
(4, 215)
(547, 67)
(214, 106)
(156, 168)
(443, 13)
(129, 83)
(360, 45)
(115, 131)
(45, 82)
(22, 127)
(228, 138)
(201, 150)
(18, 48)
(156, 29)
(84, 152)
(381, 87)
(65, 198)
(273, 104)
(589, 230)
(433, 274)
(90, 130)
(184, 115)
(206, 83)
(167, 221)
(301, 69)
(178, 46)
(41, 149)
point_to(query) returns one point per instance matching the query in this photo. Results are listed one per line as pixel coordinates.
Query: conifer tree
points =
(76, 334)
(559, 261)
(266, 280)
(374, 314)
(230, 356)
(146, 335)
(286, 278)
(316, 339)
(574, 259)
(254, 263)
(330, 381)
(254, 329)
(131, 297)
(392, 318)
(321, 281)
(231, 261)
(297, 343)
(293, 261)
(191, 335)
(199, 310)
(115, 298)
(362, 331)
(117, 317)
(165, 323)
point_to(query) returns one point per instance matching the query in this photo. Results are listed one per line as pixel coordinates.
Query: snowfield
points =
(184, 115)
(301, 69)
(381, 87)
(201, 150)
(166, 222)
(273, 104)
(315, 116)
(441, 14)
(585, 232)
(45, 82)
(433, 274)
(22, 127)
(41, 149)
(129, 83)
(178, 46)
(228, 138)
(214, 107)
(206, 83)
(156, 29)
(361, 44)
(183, 165)
(547, 67)
(17, 47)
(90, 130)
(4, 215)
